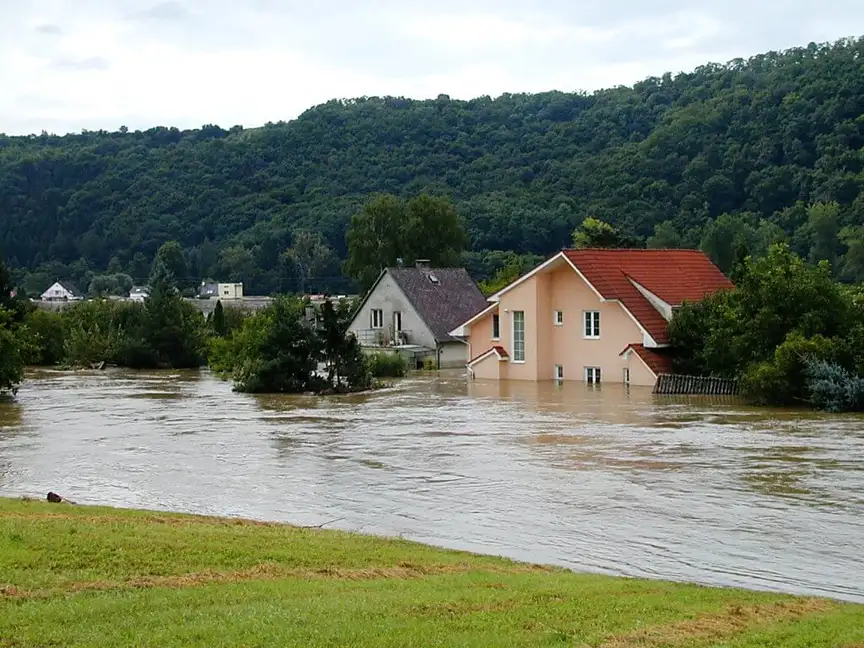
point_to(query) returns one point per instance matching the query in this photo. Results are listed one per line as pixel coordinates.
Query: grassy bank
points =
(82, 576)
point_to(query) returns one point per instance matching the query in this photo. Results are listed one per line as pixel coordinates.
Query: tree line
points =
(290, 346)
(738, 152)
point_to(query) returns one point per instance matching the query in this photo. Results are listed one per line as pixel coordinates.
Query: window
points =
(496, 327)
(226, 292)
(626, 375)
(559, 318)
(518, 336)
(559, 372)
(592, 324)
(592, 375)
(397, 321)
(377, 317)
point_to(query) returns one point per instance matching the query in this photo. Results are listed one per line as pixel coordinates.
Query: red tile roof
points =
(674, 276)
(657, 361)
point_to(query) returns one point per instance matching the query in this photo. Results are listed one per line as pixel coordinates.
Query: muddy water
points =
(601, 480)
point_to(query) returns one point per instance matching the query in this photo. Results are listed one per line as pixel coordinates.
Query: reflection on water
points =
(604, 479)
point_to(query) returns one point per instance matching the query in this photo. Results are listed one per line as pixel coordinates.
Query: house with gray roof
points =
(413, 310)
(62, 291)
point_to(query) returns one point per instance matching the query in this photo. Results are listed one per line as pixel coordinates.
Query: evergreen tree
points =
(218, 319)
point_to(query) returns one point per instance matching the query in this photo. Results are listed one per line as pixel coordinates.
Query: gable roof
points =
(672, 276)
(675, 276)
(499, 351)
(444, 304)
(657, 361)
(68, 286)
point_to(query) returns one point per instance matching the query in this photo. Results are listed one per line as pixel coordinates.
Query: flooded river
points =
(600, 480)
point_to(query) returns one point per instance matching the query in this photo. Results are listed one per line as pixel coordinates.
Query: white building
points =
(229, 290)
(415, 308)
(62, 291)
(139, 293)
(221, 291)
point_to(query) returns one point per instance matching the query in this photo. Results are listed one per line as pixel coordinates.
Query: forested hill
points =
(756, 136)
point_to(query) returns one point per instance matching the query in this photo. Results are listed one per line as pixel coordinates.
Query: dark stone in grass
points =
(54, 498)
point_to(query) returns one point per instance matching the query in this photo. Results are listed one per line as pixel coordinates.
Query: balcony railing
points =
(383, 337)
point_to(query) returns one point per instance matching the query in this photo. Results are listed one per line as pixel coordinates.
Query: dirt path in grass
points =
(736, 619)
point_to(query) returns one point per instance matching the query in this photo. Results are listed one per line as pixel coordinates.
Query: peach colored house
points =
(596, 315)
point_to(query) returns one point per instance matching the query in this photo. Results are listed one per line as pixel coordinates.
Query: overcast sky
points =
(72, 64)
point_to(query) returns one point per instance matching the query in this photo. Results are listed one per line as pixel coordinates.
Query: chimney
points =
(422, 263)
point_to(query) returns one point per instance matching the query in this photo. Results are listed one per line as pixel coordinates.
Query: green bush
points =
(783, 379)
(44, 337)
(387, 365)
(782, 313)
(833, 388)
(283, 349)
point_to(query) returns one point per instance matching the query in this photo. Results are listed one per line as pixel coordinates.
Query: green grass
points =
(82, 576)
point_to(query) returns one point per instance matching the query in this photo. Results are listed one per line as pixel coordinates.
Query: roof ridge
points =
(619, 250)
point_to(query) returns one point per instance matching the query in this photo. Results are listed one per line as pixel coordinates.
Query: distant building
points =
(230, 290)
(62, 291)
(139, 293)
(414, 309)
(221, 291)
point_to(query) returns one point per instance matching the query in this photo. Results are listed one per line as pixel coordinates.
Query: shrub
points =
(44, 338)
(783, 379)
(387, 365)
(833, 388)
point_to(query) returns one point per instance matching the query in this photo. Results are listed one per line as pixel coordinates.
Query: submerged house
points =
(593, 315)
(413, 310)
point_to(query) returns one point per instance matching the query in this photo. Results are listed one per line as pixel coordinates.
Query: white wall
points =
(454, 354)
(388, 297)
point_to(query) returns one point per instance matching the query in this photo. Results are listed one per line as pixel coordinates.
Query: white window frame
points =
(496, 316)
(516, 358)
(376, 318)
(559, 372)
(397, 321)
(558, 318)
(591, 331)
(593, 375)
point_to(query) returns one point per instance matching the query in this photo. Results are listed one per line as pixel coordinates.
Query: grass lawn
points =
(82, 576)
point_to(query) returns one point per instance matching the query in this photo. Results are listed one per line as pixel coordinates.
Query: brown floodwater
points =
(604, 480)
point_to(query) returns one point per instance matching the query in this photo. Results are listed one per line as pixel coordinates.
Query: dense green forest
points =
(732, 157)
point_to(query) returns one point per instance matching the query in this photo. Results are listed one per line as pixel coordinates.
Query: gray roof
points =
(444, 305)
(72, 288)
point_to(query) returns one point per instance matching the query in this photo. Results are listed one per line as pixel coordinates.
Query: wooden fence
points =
(695, 385)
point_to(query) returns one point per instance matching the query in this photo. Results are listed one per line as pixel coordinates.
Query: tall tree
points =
(388, 229)
(11, 360)
(665, 237)
(170, 254)
(310, 257)
(219, 319)
(173, 328)
(595, 233)
(375, 238)
(823, 223)
(433, 230)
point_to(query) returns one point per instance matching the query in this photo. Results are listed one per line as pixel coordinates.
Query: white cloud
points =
(73, 64)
